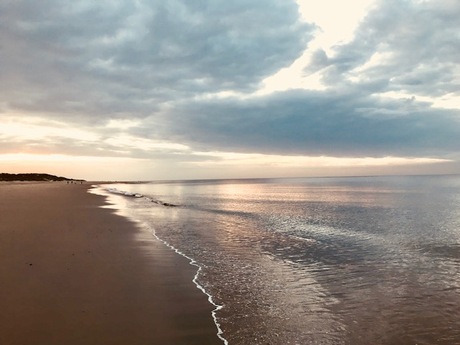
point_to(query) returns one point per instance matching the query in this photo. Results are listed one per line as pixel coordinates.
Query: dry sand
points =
(74, 273)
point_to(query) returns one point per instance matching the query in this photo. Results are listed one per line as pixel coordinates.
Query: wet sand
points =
(72, 272)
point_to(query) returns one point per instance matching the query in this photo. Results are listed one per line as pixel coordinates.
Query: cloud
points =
(162, 80)
(317, 123)
(409, 46)
(116, 59)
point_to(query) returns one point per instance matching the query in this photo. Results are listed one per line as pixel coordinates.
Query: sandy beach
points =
(72, 272)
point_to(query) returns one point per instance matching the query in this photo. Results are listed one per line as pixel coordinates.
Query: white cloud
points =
(123, 124)
(128, 143)
(23, 129)
(261, 160)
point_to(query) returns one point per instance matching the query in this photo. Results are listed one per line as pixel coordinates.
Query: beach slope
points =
(72, 272)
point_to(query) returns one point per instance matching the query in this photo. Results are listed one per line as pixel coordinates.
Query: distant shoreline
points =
(34, 177)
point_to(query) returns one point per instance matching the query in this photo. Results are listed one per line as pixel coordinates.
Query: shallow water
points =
(317, 261)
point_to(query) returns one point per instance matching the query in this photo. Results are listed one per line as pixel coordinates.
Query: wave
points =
(138, 195)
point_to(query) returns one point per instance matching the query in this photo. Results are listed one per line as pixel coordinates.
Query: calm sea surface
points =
(317, 261)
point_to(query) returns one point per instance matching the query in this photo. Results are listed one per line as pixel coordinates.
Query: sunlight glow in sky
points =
(220, 90)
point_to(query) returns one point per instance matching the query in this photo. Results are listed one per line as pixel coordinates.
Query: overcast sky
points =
(177, 89)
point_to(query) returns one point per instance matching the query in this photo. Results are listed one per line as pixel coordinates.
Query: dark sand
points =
(74, 273)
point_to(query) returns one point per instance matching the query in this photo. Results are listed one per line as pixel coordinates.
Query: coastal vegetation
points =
(33, 177)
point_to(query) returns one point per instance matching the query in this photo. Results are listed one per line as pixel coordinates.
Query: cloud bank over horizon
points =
(183, 84)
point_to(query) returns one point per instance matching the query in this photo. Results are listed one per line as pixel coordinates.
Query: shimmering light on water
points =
(319, 261)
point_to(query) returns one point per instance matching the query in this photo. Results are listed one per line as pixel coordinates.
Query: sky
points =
(179, 89)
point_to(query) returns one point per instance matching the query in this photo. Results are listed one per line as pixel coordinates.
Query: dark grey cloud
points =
(318, 123)
(125, 58)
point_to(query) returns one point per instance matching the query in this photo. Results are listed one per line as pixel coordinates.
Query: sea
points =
(349, 260)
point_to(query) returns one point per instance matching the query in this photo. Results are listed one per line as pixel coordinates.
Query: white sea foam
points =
(121, 192)
(138, 195)
(195, 281)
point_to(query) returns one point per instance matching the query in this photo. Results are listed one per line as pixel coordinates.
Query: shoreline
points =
(99, 189)
(73, 272)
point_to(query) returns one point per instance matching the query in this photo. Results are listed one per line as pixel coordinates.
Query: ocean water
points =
(368, 260)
